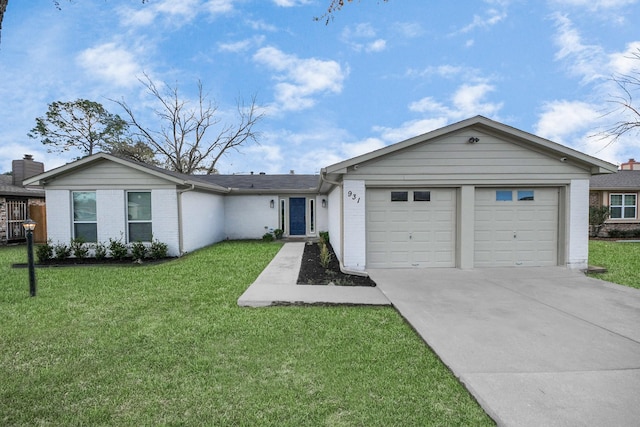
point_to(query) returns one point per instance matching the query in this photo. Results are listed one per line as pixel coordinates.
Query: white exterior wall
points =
(111, 215)
(578, 229)
(202, 220)
(334, 218)
(322, 214)
(58, 216)
(355, 241)
(164, 217)
(249, 217)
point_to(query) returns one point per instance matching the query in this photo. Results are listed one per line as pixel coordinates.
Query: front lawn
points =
(622, 260)
(167, 344)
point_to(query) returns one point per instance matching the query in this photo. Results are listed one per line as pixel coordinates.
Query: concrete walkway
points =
(535, 346)
(276, 285)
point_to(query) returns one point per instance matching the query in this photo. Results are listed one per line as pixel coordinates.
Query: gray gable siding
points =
(107, 174)
(452, 160)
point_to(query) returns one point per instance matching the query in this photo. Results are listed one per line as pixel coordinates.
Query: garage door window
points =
(504, 196)
(422, 196)
(399, 196)
(623, 206)
(525, 195)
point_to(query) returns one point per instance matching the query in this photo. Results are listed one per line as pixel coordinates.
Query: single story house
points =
(476, 193)
(17, 202)
(620, 192)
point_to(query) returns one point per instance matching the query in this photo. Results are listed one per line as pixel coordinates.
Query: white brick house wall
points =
(335, 220)
(164, 217)
(111, 215)
(578, 239)
(202, 220)
(250, 217)
(355, 239)
(58, 216)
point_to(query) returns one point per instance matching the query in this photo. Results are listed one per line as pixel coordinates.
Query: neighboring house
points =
(476, 193)
(620, 192)
(17, 202)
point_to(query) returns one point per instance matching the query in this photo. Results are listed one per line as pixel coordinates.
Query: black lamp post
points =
(29, 225)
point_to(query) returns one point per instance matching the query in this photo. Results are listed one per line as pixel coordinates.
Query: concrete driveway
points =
(535, 346)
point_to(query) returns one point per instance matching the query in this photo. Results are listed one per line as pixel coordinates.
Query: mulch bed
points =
(88, 262)
(312, 272)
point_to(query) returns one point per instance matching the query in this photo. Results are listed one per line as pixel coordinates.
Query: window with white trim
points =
(139, 223)
(85, 220)
(622, 206)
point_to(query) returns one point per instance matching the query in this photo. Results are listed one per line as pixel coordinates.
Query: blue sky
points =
(379, 73)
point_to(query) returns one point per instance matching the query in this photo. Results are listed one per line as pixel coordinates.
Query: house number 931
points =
(353, 196)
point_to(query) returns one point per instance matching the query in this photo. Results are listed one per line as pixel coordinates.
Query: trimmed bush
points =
(138, 251)
(61, 251)
(267, 237)
(78, 248)
(100, 251)
(117, 249)
(158, 250)
(324, 236)
(44, 252)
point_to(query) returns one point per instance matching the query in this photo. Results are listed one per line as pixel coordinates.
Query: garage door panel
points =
(516, 232)
(418, 233)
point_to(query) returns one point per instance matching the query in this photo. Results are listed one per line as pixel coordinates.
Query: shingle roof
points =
(624, 179)
(8, 189)
(263, 182)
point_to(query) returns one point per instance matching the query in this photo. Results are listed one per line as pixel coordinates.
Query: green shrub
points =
(158, 250)
(324, 236)
(78, 248)
(100, 251)
(61, 251)
(325, 255)
(267, 237)
(117, 249)
(278, 233)
(138, 251)
(44, 252)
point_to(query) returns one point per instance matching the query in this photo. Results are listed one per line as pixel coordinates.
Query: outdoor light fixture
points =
(272, 203)
(30, 225)
(473, 140)
(324, 203)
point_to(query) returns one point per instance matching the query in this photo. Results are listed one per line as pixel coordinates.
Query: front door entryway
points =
(297, 215)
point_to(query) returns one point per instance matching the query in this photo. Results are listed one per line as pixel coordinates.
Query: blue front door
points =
(297, 224)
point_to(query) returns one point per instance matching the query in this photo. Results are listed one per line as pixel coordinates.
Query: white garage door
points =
(516, 226)
(410, 228)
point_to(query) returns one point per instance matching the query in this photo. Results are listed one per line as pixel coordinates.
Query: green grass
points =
(167, 345)
(622, 260)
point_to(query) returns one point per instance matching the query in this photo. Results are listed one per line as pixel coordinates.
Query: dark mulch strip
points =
(312, 273)
(92, 262)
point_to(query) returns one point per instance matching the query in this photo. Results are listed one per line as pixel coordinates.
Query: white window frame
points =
(75, 221)
(130, 221)
(623, 206)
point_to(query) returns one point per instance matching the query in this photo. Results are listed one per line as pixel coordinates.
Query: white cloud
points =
(593, 5)
(410, 129)
(174, 13)
(624, 63)
(300, 79)
(241, 45)
(561, 119)
(112, 63)
(468, 101)
(491, 17)
(291, 3)
(408, 29)
(583, 60)
(376, 46)
(358, 38)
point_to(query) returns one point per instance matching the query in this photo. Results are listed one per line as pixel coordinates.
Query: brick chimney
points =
(25, 168)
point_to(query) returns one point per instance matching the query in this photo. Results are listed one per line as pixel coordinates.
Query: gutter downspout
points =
(180, 230)
(342, 267)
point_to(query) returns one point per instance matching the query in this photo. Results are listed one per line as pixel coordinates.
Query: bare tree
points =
(193, 138)
(334, 6)
(628, 84)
